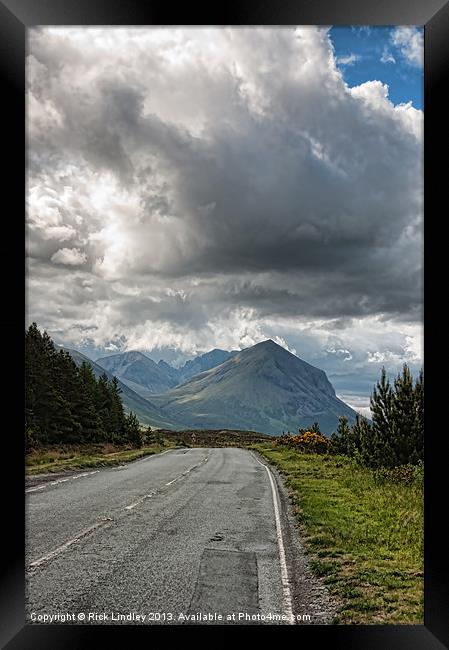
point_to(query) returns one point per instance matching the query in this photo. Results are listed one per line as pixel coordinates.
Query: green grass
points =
(77, 457)
(364, 534)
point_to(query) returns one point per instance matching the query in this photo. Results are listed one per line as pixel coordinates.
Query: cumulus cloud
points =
(410, 42)
(208, 187)
(69, 257)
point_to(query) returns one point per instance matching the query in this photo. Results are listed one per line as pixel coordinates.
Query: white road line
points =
(151, 494)
(61, 480)
(141, 460)
(174, 480)
(187, 471)
(136, 503)
(57, 551)
(288, 608)
(72, 478)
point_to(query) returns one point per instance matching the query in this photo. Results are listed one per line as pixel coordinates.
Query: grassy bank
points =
(364, 532)
(47, 460)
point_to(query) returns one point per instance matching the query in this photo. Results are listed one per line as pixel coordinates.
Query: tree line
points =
(395, 435)
(66, 404)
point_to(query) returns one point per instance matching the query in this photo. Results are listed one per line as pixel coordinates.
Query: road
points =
(168, 538)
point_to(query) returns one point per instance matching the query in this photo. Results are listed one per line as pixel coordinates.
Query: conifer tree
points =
(67, 404)
(340, 437)
(404, 415)
(103, 403)
(133, 431)
(382, 401)
(418, 425)
(88, 416)
(117, 414)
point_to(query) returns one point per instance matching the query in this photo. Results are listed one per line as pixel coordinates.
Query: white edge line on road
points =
(61, 480)
(161, 453)
(72, 478)
(284, 572)
(63, 547)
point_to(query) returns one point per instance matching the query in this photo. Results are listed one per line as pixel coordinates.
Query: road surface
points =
(187, 536)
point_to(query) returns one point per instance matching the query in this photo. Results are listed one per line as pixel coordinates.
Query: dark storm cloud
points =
(181, 179)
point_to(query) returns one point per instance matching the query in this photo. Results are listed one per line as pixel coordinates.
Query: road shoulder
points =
(310, 595)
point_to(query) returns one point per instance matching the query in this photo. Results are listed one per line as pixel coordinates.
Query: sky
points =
(193, 188)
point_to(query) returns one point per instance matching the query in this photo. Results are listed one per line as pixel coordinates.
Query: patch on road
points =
(227, 582)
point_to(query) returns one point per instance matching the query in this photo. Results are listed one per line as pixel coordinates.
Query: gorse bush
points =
(65, 404)
(395, 436)
(307, 442)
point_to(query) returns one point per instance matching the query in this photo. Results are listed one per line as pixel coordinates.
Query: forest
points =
(66, 404)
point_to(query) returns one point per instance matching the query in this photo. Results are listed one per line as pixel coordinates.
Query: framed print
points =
(226, 221)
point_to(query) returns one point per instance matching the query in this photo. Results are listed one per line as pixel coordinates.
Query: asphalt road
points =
(187, 533)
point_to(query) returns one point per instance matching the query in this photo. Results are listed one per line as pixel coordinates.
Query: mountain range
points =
(263, 388)
(146, 377)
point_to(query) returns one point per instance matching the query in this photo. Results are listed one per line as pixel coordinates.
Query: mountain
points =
(204, 362)
(141, 374)
(263, 388)
(171, 372)
(146, 377)
(147, 412)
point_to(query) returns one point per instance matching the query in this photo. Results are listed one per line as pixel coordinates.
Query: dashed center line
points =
(57, 551)
(175, 479)
(136, 503)
(60, 549)
(151, 494)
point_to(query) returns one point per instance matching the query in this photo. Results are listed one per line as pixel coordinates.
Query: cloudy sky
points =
(209, 187)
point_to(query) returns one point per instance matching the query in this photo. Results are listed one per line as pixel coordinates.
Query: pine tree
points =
(45, 405)
(68, 387)
(340, 438)
(117, 414)
(66, 404)
(364, 441)
(91, 430)
(103, 403)
(418, 424)
(383, 452)
(404, 416)
(134, 434)
(33, 385)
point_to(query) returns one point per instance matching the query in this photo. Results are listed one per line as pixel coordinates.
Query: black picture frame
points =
(15, 17)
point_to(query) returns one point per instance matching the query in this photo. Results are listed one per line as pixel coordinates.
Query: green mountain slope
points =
(263, 388)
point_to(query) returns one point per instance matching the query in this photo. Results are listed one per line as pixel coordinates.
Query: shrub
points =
(308, 442)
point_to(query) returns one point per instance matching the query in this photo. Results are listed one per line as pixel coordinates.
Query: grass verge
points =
(78, 457)
(364, 533)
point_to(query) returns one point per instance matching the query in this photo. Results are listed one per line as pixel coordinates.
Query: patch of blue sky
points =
(392, 55)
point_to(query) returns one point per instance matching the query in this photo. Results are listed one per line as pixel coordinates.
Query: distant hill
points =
(141, 374)
(263, 388)
(147, 412)
(146, 377)
(203, 362)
